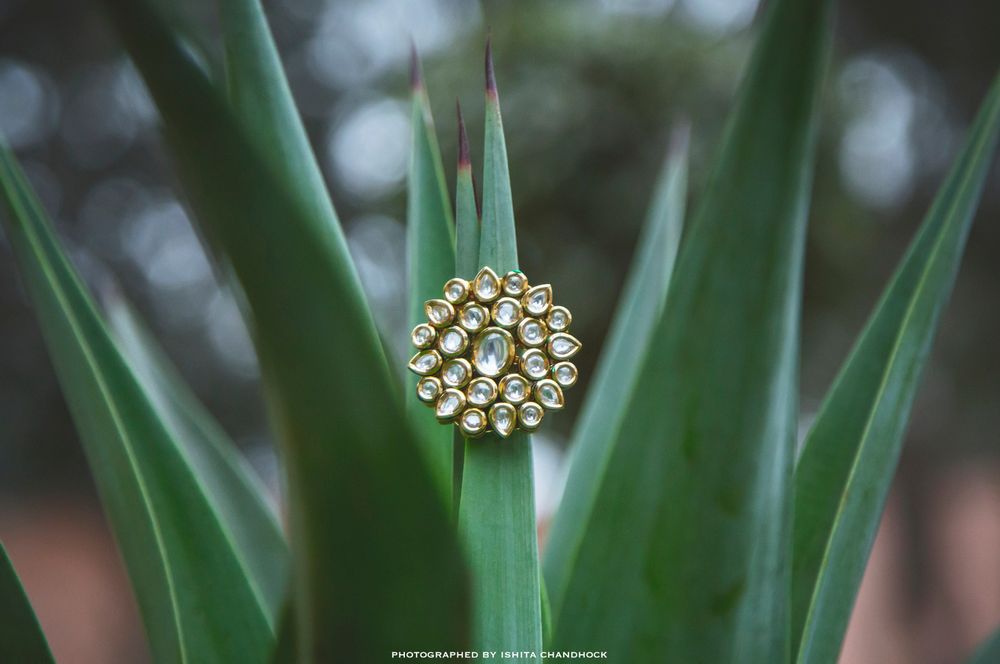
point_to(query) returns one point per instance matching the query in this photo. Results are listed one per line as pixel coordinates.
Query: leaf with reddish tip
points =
(498, 240)
(466, 208)
(430, 255)
(497, 509)
(376, 562)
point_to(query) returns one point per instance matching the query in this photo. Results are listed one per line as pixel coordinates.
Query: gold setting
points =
(494, 354)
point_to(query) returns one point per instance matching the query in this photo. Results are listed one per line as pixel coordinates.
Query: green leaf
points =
(546, 612)
(846, 466)
(262, 100)
(988, 652)
(639, 309)
(466, 259)
(497, 509)
(496, 519)
(192, 587)
(21, 637)
(430, 247)
(498, 236)
(376, 565)
(686, 551)
(237, 493)
(466, 208)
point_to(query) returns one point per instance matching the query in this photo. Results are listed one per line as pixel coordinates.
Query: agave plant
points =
(691, 530)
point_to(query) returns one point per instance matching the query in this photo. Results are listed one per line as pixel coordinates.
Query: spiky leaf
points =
(430, 255)
(497, 509)
(686, 552)
(234, 487)
(376, 565)
(188, 577)
(21, 637)
(846, 466)
(633, 323)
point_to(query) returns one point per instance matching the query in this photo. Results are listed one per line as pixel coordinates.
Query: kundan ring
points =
(494, 354)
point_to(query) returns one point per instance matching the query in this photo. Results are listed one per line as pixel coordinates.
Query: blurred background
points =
(589, 91)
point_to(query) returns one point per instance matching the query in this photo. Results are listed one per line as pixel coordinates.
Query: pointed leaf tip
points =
(416, 80)
(491, 81)
(463, 139)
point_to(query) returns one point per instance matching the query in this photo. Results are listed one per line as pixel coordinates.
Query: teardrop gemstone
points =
(425, 362)
(493, 352)
(503, 417)
(439, 312)
(537, 300)
(549, 394)
(563, 346)
(486, 285)
(450, 404)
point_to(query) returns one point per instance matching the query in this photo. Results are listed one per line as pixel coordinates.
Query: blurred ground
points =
(589, 90)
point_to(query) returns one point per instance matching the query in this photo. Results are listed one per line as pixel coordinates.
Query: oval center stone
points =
(493, 352)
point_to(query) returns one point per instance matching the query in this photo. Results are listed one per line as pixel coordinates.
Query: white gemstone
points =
(507, 313)
(439, 312)
(563, 346)
(531, 414)
(558, 318)
(481, 392)
(455, 291)
(473, 317)
(492, 353)
(452, 342)
(503, 418)
(515, 389)
(487, 287)
(565, 374)
(454, 374)
(549, 394)
(449, 404)
(473, 420)
(423, 335)
(531, 332)
(514, 283)
(535, 365)
(426, 362)
(428, 389)
(538, 299)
